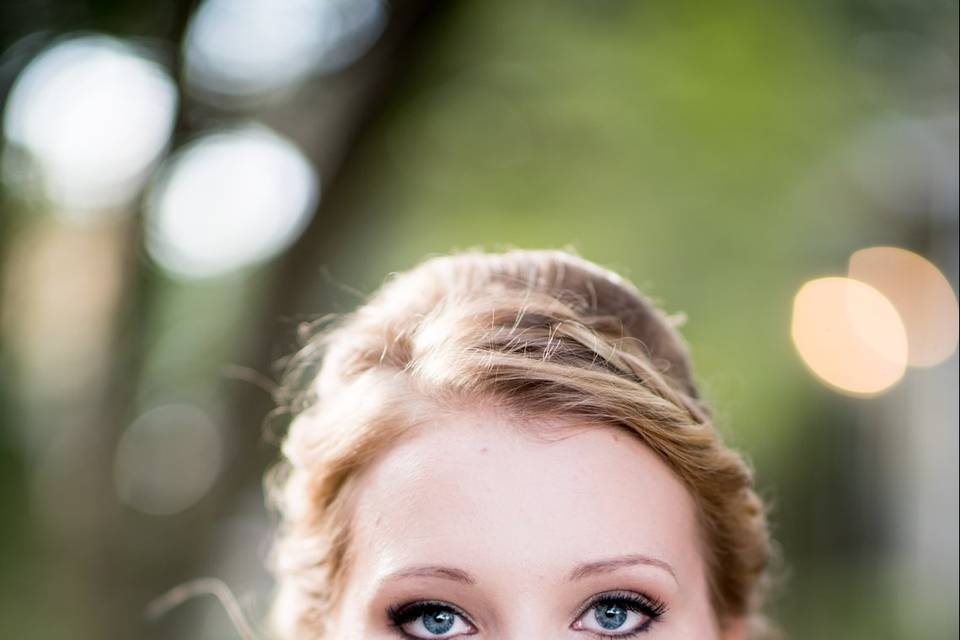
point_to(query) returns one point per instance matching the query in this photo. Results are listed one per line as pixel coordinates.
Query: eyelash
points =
(652, 608)
(403, 614)
(638, 603)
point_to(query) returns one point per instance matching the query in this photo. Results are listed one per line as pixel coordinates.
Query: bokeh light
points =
(849, 335)
(922, 295)
(244, 49)
(228, 200)
(614, 129)
(168, 459)
(94, 114)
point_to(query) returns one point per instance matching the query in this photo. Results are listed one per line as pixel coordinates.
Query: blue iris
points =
(439, 622)
(611, 616)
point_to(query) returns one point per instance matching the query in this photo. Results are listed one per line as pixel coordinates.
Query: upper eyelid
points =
(439, 603)
(584, 607)
(615, 594)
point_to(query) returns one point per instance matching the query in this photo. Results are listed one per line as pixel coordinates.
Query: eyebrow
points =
(432, 571)
(596, 567)
(608, 565)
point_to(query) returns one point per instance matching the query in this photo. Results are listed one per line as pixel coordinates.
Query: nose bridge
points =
(534, 632)
(530, 628)
(530, 616)
(539, 634)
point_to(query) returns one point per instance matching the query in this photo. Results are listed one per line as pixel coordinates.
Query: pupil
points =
(611, 616)
(439, 622)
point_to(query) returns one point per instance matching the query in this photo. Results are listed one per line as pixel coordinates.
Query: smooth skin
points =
(519, 533)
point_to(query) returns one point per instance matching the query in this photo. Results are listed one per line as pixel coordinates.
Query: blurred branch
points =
(200, 587)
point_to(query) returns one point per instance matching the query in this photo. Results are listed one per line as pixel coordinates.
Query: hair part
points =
(536, 333)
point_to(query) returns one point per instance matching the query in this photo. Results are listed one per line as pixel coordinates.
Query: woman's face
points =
(471, 529)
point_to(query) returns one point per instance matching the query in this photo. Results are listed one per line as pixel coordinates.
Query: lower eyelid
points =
(411, 611)
(647, 607)
(405, 613)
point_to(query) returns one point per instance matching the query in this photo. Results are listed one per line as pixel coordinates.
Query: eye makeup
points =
(404, 614)
(650, 608)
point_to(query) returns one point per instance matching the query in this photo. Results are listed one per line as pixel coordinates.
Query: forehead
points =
(472, 490)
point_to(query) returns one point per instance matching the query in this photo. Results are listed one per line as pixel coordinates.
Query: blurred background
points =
(183, 183)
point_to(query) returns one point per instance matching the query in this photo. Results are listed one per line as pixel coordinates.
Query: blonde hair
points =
(539, 333)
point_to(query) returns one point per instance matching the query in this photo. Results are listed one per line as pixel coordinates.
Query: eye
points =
(619, 615)
(431, 620)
